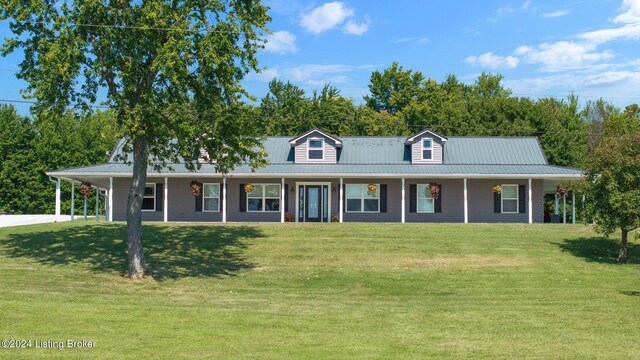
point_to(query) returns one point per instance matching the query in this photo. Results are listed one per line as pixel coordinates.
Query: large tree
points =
(612, 185)
(170, 69)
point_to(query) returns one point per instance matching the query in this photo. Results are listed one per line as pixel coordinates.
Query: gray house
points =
(317, 177)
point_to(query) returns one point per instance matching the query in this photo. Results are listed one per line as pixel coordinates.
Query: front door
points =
(313, 203)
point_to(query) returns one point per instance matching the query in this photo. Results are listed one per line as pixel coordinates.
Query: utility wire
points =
(131, 27)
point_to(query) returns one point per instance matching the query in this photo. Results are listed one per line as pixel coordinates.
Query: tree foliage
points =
(171, 70)
(613, 178)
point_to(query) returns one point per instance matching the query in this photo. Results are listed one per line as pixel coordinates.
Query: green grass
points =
(321, 291)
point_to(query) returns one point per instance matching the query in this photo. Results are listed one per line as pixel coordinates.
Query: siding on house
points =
(330, 150)
(182, 203)
(436, 154)
(452, 195)
(121, 187)
(393, 214)
(480, 199)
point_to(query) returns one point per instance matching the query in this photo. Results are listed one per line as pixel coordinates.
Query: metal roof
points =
(380, 156)
(336, 170)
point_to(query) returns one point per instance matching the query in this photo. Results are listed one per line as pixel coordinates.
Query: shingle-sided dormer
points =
(315, 147)
(426, 147)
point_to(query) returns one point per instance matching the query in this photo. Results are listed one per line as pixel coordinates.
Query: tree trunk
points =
(623, 246)
(137, 266)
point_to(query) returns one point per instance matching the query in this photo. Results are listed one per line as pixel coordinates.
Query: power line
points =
(206, 29)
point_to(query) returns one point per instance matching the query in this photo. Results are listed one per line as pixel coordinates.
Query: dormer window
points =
(315, 148)
(427, 149)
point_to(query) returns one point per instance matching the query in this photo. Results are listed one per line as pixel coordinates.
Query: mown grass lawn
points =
(321, 291)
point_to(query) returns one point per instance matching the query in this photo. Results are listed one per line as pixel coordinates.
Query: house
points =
(315, 177)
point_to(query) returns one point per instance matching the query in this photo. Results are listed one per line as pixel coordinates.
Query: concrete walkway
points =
(18, 220)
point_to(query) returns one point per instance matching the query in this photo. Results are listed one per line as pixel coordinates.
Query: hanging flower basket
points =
(372, 188)
(248, 188)
(85, 190)
(434, 189)
(497, 188)
(196, 188)
(562, 191)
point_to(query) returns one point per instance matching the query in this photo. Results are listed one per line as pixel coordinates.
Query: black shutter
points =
(344, 198)
(497, 208)
(522, 208)
(383, 198)
(159, 197)
(220, 196)
(198, 200)
(286, 197)
(413, 198)
(243, 199)
(438, 202)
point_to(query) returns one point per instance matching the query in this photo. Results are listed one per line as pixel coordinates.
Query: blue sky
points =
(543, 48)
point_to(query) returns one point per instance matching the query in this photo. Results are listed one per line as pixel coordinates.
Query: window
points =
(315, 148)
(149, 197)
(211, 197)
(425, 199)
(264, 197)
(509, 198)
(361, 199)
(427, 149)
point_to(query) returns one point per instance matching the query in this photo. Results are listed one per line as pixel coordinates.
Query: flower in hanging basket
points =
(85, 190)
(196, 188)
(497, 188)
(372, 188)
(562, 191)
(434, 189)
(248, 188)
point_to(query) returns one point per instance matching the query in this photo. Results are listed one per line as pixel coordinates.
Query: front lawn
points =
(321, 291)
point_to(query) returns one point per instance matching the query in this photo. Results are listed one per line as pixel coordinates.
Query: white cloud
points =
(631, 12)
(354, 28)
(415, 40)
(628, 32)
(525, 5)
(562, 55)
(493, 62)
(312, 74)
(281, 42)
(555, 14)
(326, 17)
(510, 10)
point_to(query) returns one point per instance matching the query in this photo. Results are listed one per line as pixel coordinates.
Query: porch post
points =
(166, 199)
(573, 208)
(555, 211)
(466, 203)
(564, 209)
(97, 203)
(402, 202)
(224, 199)
(341, 199)
(58, 200)
(282, 200)
(530, 204)
(110, 199)
(73, 197)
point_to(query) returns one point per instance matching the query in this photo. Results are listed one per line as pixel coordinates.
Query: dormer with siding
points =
(315, 147)
(426, 147)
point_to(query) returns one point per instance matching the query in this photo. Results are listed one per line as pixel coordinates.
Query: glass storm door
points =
(313, 203)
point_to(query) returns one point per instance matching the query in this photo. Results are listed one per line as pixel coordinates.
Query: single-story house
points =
(318, 177)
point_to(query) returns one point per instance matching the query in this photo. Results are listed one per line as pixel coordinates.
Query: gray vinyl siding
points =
(436, 154)
(452, 202)
(480, 198)
(121, 187)
(330, 151)
(233, 202)
(393, 214)
(182, 203)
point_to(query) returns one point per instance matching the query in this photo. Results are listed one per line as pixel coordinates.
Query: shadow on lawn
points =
(171, 252)
(600, 249)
